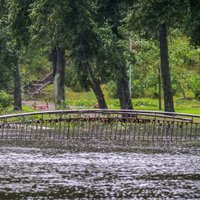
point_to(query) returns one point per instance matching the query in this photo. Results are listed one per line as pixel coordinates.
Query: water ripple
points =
(28, 173)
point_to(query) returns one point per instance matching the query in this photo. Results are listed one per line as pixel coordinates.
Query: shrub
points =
(73, 81)
(194, 84)
(137, 89)
(112, 89)
(5, 99)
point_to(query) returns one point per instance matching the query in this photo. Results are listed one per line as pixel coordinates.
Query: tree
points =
(151, 19)
(59, 79)
(9, 55)
(17, 88)
(85, 43)
(67, 26)
(193, 21)
(112, 12)
(5, 66)
(48, 28)
(18, 22)
(165, 70)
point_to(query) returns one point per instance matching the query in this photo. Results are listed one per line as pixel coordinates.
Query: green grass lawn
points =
(88, 100)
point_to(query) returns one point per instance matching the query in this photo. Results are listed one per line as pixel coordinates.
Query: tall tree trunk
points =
(95, 85)
(124, 94)
(59, 80)
(165, 70)
(159, 89)
(17, 89)
(54, 60)
(123, 86)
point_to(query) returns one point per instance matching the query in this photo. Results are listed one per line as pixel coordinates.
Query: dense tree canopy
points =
(93, 38)
(193, 23)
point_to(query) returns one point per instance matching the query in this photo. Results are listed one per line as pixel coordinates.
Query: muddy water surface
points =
(30, 173)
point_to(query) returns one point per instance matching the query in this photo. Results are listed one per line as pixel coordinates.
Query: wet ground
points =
(31, 173)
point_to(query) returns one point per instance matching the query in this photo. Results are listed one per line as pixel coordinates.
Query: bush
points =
(72, 81)
(151, 92)
(194, 84)
(70, 75)
(137, 89)
(5, 99)
(112, 89)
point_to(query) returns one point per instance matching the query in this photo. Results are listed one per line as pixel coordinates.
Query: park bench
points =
(40, 107)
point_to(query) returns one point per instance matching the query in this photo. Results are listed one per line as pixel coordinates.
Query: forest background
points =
(137, 54)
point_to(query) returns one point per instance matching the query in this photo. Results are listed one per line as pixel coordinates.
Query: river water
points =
(33, 173)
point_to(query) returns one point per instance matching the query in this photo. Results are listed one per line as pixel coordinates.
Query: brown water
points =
(30, 173)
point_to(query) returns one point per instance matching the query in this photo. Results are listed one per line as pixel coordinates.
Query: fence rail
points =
(102, 127)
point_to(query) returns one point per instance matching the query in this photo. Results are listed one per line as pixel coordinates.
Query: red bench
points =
(40, 107)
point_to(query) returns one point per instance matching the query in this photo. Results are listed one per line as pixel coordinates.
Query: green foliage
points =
(73, 81)
(95, 34)
(184, 62)
(137, 88)
(148, 15)
(34, 68)
(6, 57)
(112, 89)
(5, 99)
(19, 21)
(194, 84)
(182, 53)
(49, 22)
(193, 22)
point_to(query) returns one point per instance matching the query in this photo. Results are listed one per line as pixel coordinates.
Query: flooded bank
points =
(33, 173)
